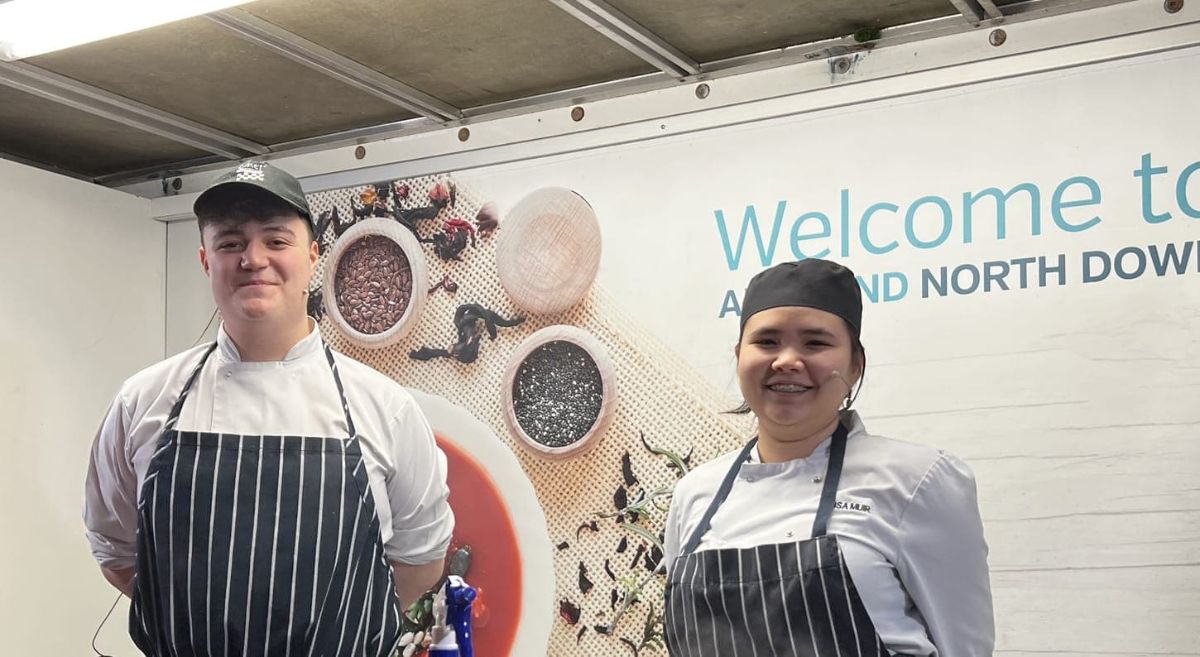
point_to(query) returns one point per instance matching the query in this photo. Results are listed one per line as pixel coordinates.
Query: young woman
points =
(819, 538)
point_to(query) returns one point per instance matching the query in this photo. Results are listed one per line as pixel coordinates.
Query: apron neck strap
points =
(833, 474)
(722, 493)
(337, 378)
(173, 418)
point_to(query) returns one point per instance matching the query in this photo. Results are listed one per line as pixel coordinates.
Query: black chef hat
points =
(813, 283)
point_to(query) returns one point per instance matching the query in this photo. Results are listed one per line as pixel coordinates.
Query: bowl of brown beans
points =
(375, 282)
(559, 392)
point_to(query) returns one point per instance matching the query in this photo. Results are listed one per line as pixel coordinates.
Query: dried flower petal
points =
(587, 525)
(568, 612)
(637, 556)
(488, 218)
(439, 195)
(653, 556)
(585, 584)
(627, 470)
(620, 498)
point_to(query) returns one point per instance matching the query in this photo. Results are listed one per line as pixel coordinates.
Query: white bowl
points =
(457, 424)
(608, 378)
(548, 250)
(408, 243)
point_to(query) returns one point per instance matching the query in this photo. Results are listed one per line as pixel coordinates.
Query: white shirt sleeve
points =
(110, 493)
(943, 561)
(422, 521)
(672, 541)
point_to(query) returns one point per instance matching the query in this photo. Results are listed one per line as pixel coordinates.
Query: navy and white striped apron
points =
(770, 600)
(255, 545)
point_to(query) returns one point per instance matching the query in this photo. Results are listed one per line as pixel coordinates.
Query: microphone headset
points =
(849, 388)
(101, 626)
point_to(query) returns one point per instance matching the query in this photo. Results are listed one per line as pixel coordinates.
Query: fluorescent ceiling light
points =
(34, 27)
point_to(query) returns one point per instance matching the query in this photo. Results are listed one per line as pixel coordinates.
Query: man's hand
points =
(121, 578)
(413, 581)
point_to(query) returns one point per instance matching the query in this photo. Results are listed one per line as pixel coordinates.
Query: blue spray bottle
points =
(451, 631)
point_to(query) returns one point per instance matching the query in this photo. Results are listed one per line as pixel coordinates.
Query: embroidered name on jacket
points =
(846, 505)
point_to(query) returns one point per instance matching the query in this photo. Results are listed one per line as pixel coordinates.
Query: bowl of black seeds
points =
(559, 392)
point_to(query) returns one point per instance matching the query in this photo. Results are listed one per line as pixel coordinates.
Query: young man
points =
(263, 494)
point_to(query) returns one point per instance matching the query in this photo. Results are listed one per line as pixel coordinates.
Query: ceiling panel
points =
(709, 30)
(468, 53)
(201, 71)
(465, 52)
(54, 134)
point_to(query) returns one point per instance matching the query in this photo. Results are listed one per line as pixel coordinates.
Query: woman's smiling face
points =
(795, 365)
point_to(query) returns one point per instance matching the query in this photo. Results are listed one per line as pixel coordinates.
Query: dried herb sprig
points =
(632, 590)
(654, 630)
(640, 504)
(644, 533)
(681, 464)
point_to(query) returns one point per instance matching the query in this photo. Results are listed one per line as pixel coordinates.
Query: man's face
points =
(260, 270)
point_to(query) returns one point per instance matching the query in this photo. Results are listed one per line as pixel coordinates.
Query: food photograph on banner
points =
(878, 338)
(564, 423)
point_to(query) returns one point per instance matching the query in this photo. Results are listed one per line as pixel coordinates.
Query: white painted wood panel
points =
(81, 288)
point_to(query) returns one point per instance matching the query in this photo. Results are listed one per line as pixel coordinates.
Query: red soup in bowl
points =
(482, 521)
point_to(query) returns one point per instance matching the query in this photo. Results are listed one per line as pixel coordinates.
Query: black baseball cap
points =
(812, 282)
(254, 173)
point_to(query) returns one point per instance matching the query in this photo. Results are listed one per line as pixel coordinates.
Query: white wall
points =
(190, 304)
(81, 308)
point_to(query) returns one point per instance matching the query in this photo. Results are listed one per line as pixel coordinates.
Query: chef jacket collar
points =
(310, 344)
(754, 464)
(756, 469)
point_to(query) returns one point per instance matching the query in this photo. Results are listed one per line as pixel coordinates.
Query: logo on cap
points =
(250, 171)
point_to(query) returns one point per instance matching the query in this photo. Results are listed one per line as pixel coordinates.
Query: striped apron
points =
(260, 545)
(770, 600)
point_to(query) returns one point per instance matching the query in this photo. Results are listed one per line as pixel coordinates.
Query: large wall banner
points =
(1029, 254)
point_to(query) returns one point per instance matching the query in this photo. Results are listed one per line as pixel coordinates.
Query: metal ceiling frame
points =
(420, 147)
(954, 64)
(122, 110)
(40, 165)
(977, 11)
(630, 35)
(332, 64)
(905, 34)
(98, 102)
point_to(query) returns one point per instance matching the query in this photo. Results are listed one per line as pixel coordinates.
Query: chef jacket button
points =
(750, 479)
(817, 479)
(228, 374)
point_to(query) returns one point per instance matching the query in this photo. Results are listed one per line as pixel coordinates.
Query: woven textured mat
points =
(659, 395)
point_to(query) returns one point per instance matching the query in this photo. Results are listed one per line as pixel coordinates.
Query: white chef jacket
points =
(906, 518)
(294, 396)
